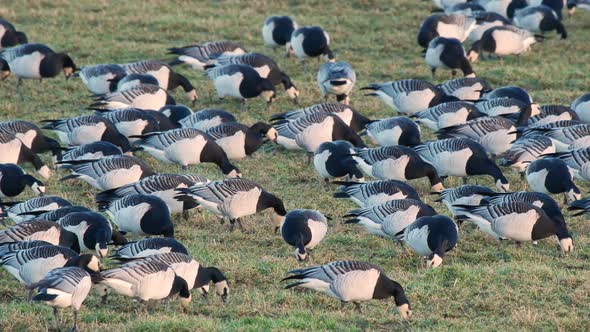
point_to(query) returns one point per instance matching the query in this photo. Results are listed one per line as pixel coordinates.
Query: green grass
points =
(478, 287)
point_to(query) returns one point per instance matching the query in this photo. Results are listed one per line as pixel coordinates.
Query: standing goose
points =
(86, 129)
(526, 150)
(176, 113)
(519, 222)
(573, 4)
(148, 247)
(207, 118)
(43, 203)
(351, 281)
(91, 151)
(432, 237)
(334, 160)
(390, 218)
(304, 230)
(539, 19)
(485, 21)
(159, 185)
(398, 130)
(464, 195)
(355, 120)
(447, 53)
(87, 231)
(13, 181)
(55, 215)
(140, 215)
(446, 115)
(131, 121)
(238, 140)
(234, 199)
(577, 160)
(582, 106)
(108, 173)
(30, 231)
(552, 176)
(311, 42)
(448, 26)
(31, 136)
(502, 40)
(397, 163)
(409, 96)
(553, 113)
(143, 96)
(461, 157)
(186, 146)
(242, 82)
(9, 36)
(337, 78)
(375, 192)
(277, 31)
(198, 56)
(14, 151)
(466, 88)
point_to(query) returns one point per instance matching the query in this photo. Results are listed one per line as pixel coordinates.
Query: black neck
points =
(180, 287)
(51, 65)
(286, 81)
(432, 175)
(268, 200)
(176, 80)
(466, 67)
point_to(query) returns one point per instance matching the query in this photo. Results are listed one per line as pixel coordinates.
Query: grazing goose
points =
(175, 113)
(447, 53)
(13, 181)
(86, 129)
(466, 88)
(578, 161)
(582, 106)
(234, 199)
(526, 150)
(375, 192)
(146, 280)
(464, 195)
(44, 203)
(539, 19)
(266, 68)
(566, 138)
(31, 136)
(310, 131)
(409, 96)
(448, 26)
(101, 79)
(9, 36)
(397, 163)
(91, 151)
(238, 140)
(186, 146)
(502, 40)
(484, 21)
(277, 31)
(148, 247)
(351, 281)
(446, 115)
(30, 231)
(553, 113)
(242, 82)
(355, 120)
(304, 230)
(544, 201)
(140, 215)
(573, 4)
(14, 151)
(517, 221)
(336, 78)
(143, 96)
(505, 8)
(555, 5)
(8, 247)
(510, 91)
(390, 218)
(461, 157)
(108, 173)
(131, 121)
(62, 288)
(159, 185)
(207, 118)
(55, 215)
(198, 56)
(398, 130)
(311, 42)
(508, 107)
(552, 176)
(87, 231)
(432, 237)
(334, 160)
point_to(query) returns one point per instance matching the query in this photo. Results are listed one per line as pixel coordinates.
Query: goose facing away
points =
(304, 230)
(432, 237)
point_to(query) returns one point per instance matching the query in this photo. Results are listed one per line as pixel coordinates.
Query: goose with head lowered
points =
(333, 160)
(447, 114)
(501, 41)
(552, 176)
(539, 19)
(101, 78)
(13, 181)
(142, 96)
(448, 26)
(31, 136)
(311, 42)
(9, 36)
(447, 53)
(485, 21)
(198, 56)
(398, 130)
(526, 150)
(573, 4)
(14, 151)
(304, 230)
(432, 237)
(466, 88)
(175, 113)
(44, 203)
(207, 118)
(239, 140)
(351, 281)
(88, 232)
(277, 30)
(148, 247)
(366, 194)
(131, 121)
(352, 118)
(336, 78)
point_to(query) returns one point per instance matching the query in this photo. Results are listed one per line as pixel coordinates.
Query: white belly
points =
(27, 66)
(229, 86)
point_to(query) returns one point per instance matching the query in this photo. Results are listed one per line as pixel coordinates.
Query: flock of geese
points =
(55, 247)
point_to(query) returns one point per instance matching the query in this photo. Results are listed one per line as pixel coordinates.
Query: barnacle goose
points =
(375, 192)
(8, 247)
(397, 163)
(505, 8)
(351, 281)
(510, 108)
(448, 26)
(447, 53)
(566, 138)
(582, 105)
(159, 185)
(198, 56)
(47, 231)
(91, 151)
(389, 219)
(552, 176)
(54, 215)
(310, 42)
(573, 4)
(398, 130)
(539, 19)
(108, 173)
(207, 118)
(234, 199)
(466, 88)
(409, 96)
(464, 195)
(242, 82)
(186, 146)
(517, 221)
(432, 237)
(461, 157)
(277, 30)
(87, 231)
(526, 150)
(86, 129)
(13, 181)
(148, 247)
(304, 230)
(352, 118)
(102, 78)
(502, 40)
(509, 91)
(175, 113)
(544, 201)
(131, 121)
(9, 36)
(337, 78)
(133, 80)
(484, 21)
(238, 140)
(140, 215)
(553, 113)
(62, 288)
(14, 151)
(446, 115)
(31, 136)
(577, 160)
(334, 160)
(143, 96)
(266, 68)
(43, 203)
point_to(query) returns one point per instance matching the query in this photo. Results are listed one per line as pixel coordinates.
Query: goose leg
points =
(243, 105)
(56, 315)
(433, 71)
(342, 304)
(309, 158)
(232, 225)
(75, 327)
(357, 307)
(18, 84)
(564, 199)
(241, 225)
(30, 295)
(185, 215)
(453, 73)
(464, 180)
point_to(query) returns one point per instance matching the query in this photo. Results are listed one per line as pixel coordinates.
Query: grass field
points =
(478, 287)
